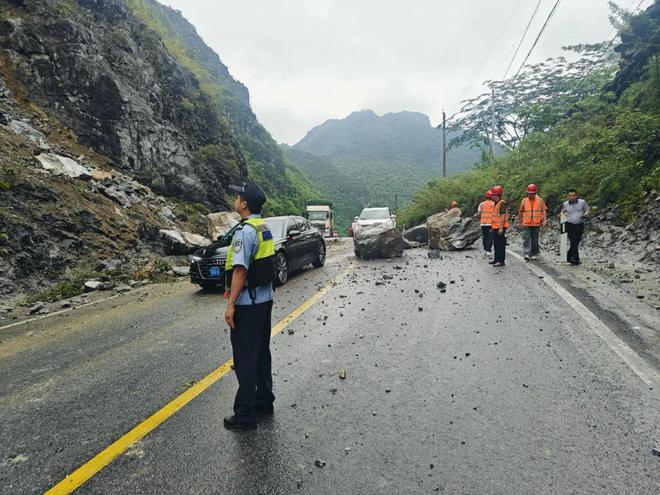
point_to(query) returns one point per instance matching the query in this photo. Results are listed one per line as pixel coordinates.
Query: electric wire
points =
(515, 54)
(538, 37)
(489, 52)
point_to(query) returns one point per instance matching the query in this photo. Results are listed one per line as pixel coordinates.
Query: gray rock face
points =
(418, 234)
(178, 243)
(27, 131)
(220, 223)
(378, 241)
(105, 75)
(448, 232)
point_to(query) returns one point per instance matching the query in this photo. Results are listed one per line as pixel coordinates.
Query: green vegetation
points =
(605, 145)
(70, 286)
(348, 195)
(285, 187)
(367, 159)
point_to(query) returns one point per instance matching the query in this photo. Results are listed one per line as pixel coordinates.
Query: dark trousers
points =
(574, 231)
(499, 243)
(531, 241)
(487, 237)
(250, 343)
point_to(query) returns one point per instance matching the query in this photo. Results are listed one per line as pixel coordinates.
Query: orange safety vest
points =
(533, 213)
(486, 208)
(497, 218)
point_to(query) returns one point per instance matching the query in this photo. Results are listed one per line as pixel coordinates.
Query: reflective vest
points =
(497, 218)
(486, 208)
(262, 269)
(533, 212)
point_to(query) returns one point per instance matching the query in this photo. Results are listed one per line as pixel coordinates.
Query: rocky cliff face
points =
(97, 69)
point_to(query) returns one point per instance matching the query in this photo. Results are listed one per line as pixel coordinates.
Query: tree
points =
(536, 98)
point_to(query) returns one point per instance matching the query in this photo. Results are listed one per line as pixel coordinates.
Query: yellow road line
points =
(107, 455)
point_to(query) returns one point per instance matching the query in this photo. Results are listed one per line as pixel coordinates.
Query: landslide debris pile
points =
(111, 147)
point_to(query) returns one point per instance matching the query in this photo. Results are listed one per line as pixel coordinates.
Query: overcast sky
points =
(306, 61)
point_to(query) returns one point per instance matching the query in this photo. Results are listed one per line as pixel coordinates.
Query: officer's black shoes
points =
(492, 262)
(500, 263)
(231, 423)
(264, 410)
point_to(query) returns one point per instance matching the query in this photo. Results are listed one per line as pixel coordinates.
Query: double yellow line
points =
(107, 455)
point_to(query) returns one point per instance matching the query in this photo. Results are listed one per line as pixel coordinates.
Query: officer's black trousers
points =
(250, 342)
(487, 237)
(499, 243)
(574, 231)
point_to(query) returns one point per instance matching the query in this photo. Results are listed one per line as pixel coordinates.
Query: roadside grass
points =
(157, 271)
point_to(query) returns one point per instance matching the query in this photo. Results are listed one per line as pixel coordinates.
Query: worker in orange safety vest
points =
(532, 216)
(499, 224)
(485, 215)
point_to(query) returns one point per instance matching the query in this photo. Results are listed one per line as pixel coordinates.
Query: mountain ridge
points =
(391, 155)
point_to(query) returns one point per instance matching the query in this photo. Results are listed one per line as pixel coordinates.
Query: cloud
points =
(305, 61)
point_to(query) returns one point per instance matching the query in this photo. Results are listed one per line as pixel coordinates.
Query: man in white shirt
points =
(576, 210)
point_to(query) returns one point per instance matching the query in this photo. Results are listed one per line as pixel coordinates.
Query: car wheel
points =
(281, 269)
(319, 260)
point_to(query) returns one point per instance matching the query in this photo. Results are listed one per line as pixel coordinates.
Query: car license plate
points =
(214, 271)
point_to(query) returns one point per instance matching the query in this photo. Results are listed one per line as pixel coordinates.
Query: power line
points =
(545, 25)
(489, 52)
(536, 9)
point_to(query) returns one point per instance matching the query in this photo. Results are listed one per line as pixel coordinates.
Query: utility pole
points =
(492, 124)
(444, 143)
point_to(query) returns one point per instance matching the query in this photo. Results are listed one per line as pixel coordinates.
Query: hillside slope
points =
(347, 194)
(148, 142)
(284, 185)
(396, 153)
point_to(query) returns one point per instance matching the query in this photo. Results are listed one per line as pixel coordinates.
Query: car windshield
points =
(276, 226)
(317, 215)
(375, 214)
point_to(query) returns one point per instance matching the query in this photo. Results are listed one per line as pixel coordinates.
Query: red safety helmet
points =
(532, 188)
(498, 190)
(488, 193)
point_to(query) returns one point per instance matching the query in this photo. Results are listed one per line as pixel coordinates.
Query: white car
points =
(374, 216)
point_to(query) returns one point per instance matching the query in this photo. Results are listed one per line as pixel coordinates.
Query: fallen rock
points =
(117, 195)
(220, 223)
(448, 232)
(38, 306)
(92, 285)
(62, 165)
(181, 271)
(434, 254)
(418, 234)
(122, 288)
(378, 241)
(180, 243)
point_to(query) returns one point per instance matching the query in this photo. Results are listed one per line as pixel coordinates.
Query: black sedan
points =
(297, 244)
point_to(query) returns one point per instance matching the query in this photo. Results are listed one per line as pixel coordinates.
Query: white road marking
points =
(640, 367)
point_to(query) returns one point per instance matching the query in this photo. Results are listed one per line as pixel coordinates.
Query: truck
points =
(320, 215)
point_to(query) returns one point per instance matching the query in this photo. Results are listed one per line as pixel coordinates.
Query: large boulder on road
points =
(178, 243)
(220, 223)
(378, 241)
(418, 234)
(448, 232)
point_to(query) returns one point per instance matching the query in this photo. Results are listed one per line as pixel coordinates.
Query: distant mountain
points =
(396, 153)
(348, 195)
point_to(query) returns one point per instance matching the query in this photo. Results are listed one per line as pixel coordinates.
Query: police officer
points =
(249, 281)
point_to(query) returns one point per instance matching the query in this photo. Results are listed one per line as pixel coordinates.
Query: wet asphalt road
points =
(495, 386)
